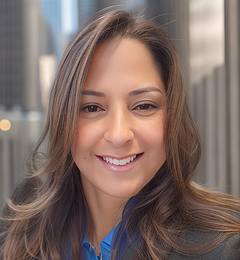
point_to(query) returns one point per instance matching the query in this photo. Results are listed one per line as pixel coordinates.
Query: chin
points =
(123, 193)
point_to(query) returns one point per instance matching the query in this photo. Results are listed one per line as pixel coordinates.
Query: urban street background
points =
(34, 34)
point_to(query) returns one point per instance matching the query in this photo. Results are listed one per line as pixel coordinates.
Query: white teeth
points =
(119, 162)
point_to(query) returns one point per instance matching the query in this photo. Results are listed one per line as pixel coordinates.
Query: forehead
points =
(122, 63)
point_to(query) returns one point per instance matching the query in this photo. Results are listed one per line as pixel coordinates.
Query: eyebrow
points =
(132, 93)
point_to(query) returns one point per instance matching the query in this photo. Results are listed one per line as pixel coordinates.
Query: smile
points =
(119, 164)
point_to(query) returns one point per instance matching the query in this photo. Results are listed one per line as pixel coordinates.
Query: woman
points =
(115, 181)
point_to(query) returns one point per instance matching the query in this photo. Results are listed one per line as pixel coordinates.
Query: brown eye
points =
(145, 106)
(91, 109)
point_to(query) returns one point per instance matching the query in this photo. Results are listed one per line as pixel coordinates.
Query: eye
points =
(91, 108)
(145, 107)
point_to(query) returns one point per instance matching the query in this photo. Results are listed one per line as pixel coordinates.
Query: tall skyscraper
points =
(25, 36)
(11, 53)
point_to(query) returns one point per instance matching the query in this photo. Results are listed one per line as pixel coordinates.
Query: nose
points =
(119, 129)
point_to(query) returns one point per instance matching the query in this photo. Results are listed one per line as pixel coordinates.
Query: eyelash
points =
(143, 104)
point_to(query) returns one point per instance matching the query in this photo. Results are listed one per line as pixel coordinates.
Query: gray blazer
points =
(227, 250)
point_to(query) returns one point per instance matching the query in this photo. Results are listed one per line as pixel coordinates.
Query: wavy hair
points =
(51, 214)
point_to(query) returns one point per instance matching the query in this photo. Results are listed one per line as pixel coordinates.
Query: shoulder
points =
(22, 193)
(229, 249)
(25, 190)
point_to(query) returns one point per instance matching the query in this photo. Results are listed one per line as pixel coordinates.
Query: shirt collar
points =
(106, 242)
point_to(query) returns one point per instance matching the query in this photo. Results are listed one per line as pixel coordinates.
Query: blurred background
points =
(34, 34)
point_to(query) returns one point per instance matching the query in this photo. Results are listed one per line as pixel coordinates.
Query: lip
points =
(120, 168)
(119, 158)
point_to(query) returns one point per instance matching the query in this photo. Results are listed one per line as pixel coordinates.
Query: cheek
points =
(80, 142)
(154, 131)
(154, 137)
(86, 137)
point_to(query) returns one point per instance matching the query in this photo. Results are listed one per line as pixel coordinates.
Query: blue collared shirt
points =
(106, 244)
(89, 252)
(105, 247)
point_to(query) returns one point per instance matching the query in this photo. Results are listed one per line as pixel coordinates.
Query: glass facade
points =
(34, 34)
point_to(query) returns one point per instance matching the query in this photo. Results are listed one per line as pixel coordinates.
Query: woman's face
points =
(119, 143)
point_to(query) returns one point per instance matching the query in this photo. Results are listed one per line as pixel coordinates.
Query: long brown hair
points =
(53, 218)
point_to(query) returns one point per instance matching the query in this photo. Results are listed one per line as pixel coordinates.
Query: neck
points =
(105, 213)
(104, 219)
